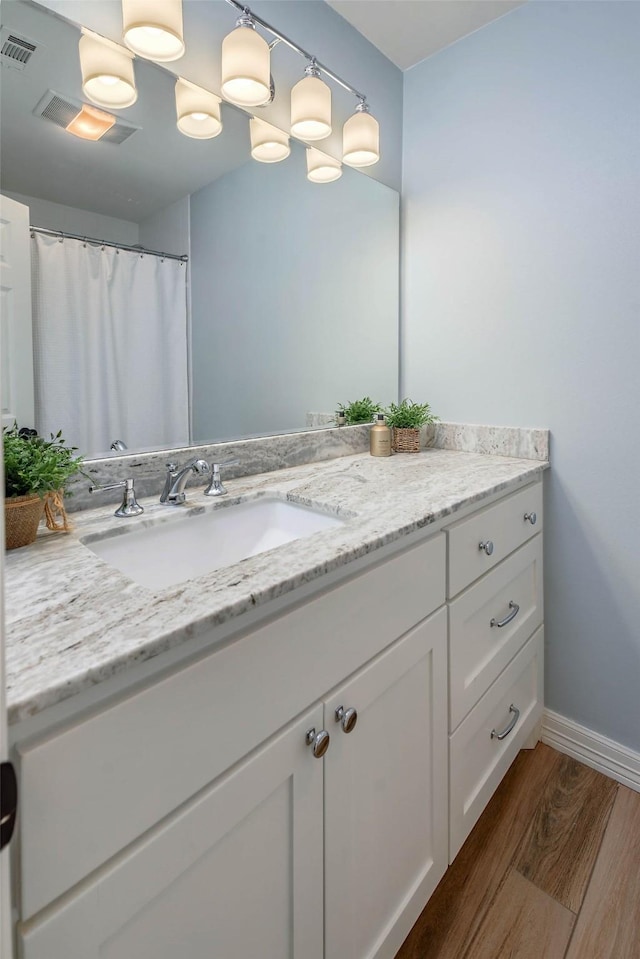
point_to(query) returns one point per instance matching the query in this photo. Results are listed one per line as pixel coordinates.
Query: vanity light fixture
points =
(361, 138)
(198, 111)
(246, 70)
(90, 123)
(107, 72)
(153, 30)
(322, 168)
(268, 144)
(310, 97)
(311, 106)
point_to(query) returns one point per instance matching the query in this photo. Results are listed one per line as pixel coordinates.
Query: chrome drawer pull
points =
(515, 609)
(505, 732)
(531, 517)
(487, 547)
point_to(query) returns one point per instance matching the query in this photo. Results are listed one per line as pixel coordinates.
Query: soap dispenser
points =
(380, 437)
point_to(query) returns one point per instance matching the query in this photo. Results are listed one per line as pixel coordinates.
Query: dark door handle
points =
(8, 802)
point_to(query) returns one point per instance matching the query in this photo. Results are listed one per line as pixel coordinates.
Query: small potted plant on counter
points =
(35, 474)
(405, 420)
(359, 411)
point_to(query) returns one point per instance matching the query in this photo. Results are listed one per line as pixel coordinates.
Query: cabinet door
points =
(386, 796)
(235, 873)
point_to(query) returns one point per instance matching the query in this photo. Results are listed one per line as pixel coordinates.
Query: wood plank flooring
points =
(550, 871)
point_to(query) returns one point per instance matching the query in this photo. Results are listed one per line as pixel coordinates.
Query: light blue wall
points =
(70, 219)
(521, 302)
(294, 297)
(168, 230)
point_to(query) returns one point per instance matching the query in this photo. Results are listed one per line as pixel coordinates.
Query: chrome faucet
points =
(176, 479)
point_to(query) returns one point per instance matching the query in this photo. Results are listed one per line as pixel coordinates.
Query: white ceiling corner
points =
(407, 31)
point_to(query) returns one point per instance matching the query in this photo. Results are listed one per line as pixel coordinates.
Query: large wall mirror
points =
(287, 303)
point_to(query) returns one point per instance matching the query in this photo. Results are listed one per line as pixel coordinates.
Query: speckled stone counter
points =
(73, 621)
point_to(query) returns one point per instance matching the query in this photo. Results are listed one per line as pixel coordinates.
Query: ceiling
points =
(158, 165)
(407, 31)
(130, 181)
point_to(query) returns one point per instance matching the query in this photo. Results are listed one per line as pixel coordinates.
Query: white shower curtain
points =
(110, 345)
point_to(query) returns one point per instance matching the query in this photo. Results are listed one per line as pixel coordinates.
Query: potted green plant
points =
(359, 411)
(35, 470)
(405, 420)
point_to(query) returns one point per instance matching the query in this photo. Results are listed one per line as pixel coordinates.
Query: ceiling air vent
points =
(15, 51)
(62, 109)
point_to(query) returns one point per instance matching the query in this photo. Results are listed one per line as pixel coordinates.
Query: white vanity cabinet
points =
(495, 649)
(277, 852)
(190, 815)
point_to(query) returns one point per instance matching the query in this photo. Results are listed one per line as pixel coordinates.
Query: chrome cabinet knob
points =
(487, 547)
(347, 718)
(531, 517)
(319, 742)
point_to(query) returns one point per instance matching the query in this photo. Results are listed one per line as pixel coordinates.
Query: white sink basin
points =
(180, 547)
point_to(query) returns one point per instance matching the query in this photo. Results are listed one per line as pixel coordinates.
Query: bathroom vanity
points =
(282, 756)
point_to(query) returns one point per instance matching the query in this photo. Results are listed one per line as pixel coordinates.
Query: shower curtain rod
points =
(118, 246)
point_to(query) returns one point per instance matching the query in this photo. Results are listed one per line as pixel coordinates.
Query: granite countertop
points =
(72, 621)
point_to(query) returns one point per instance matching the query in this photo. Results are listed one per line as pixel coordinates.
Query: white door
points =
(16, 339)
(5, 901)
(235, 873)
(386, 796)
(16, 391)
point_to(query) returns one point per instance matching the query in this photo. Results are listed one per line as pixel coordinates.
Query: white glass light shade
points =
(361, 140)
(198, 111)
(153, 29)
(311, 109)
(322, 168)
(107, 72)
(246, 76)
(268, 144)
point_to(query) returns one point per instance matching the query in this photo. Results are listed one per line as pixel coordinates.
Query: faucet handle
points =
(129, 506)
(215, 487)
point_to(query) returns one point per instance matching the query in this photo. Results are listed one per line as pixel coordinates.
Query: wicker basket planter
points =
(406, 440)
(22, 515)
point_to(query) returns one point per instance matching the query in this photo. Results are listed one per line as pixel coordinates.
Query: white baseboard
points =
(608, 757)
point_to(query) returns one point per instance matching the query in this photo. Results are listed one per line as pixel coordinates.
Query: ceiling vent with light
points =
(63, 110)
(15, 51)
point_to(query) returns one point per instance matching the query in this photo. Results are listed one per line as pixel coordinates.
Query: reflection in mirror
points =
(291, 288)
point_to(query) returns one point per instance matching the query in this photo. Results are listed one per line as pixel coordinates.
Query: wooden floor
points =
(551, 871)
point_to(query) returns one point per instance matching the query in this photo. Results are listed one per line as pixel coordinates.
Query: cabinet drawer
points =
(93, 788)
(501, 527)
(478, 760)
(489, 622)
